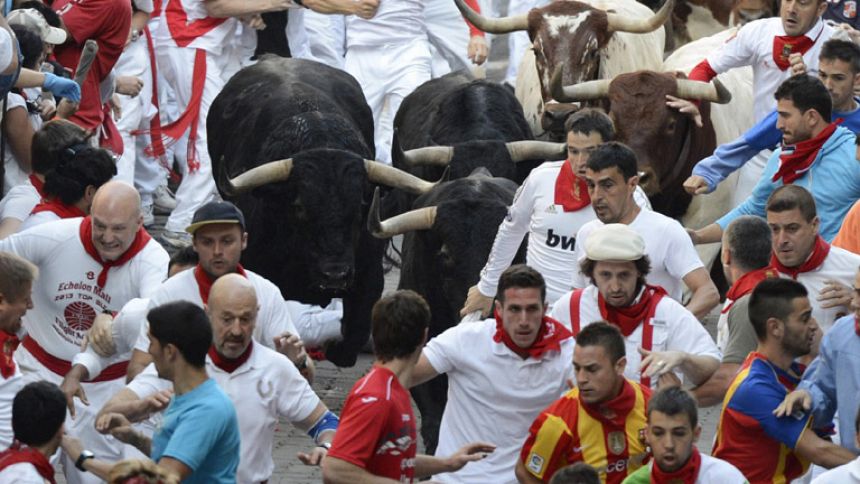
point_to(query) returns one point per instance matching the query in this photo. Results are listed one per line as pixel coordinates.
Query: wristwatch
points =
(325, 445)
(303, 365)
(85, 454)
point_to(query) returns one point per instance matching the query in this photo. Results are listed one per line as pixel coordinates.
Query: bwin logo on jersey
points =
(567, 243)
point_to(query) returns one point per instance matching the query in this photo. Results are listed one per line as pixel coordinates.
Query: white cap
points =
(32, 18)
(614, 242)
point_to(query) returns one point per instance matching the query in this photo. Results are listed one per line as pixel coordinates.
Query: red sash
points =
(745, 285)
(204, 282)
(8, 345)
(819, 254)
(61, 367)
(86, 232)
(796, 159)
(58, 208)
(549, 338)
(227, 364)
(184, 32)
(571, 191)
(17, 455)
(687, 474)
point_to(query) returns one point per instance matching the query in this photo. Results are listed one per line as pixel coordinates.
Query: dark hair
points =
(521, 276)
(399, 321)
(843, 50)
(772, 298)
(50, 16)
(186, 256)
(30, 44)
(857, 422)
(589, 120)
(605, 334)
(749, 242)
(17, 272)
(578, 473)
(79, 166)
(184, 325)
(38, 412)
(49, 141)
(613, 154)
(806, 92)
(672, 401)
(790, 197)
(643, 267)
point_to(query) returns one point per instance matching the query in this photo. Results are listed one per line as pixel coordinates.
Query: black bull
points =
(306, 216)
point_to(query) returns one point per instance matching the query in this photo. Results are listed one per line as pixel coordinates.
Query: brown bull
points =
(667, 143)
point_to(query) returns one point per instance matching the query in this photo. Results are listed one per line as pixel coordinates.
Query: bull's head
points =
(745, 11)
(666, 142)
(569, 34)
(319, 196)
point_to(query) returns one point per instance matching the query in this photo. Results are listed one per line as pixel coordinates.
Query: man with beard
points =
(767, 448)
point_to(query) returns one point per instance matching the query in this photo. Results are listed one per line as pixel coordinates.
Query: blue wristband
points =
(328, 421)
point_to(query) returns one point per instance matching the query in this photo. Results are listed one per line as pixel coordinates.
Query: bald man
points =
(87, 266)
(262, 383)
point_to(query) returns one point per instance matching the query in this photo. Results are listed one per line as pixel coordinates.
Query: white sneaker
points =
(176, 240)
(163, 200)
(148, 217)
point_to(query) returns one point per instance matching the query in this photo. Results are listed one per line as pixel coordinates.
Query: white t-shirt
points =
(273, 318)
(551, 232)
(845, 474)
(210, 34)
(753, 46)
(19, 202)
(395, 22)
(667, 245)
(493, 396)
(675, 329)
(66, 298)
(716, 471)
(22, 473)
(7, 49)
(14, 175)
(125, 330)
(262, 389)
(35, 219)
(840, 265)
(9, 387)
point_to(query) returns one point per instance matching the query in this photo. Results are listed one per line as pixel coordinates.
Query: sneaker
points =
(163, 200)
(148, 217)
(176, 240)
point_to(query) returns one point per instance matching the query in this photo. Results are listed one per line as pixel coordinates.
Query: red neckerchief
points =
(785, 45)
(59, 208)
(685, 475)
(814, 261)
(17, 455)
(230, 365)
(856, 326)
(629, 318)
(571, 191)
(745, 285)
(614, 411)
(8, 344)
(796, 159)
(39, 185)
(204, 282)
(141, 238)
(549, 337)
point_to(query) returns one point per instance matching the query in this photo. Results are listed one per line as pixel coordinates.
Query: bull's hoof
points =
(340, 355)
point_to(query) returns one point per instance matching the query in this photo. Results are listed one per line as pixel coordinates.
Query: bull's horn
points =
(623, 23)
(429, 155)
(419, 219)
(584, 91)
(714, 92)
(395, 178)
(271, 172)
(536, 150)
(502, 25)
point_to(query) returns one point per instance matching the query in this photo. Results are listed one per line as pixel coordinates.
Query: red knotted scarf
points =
(614, 412)
(39, 185)
(549, 337)
(785, 45)
(204, 282)
(141, 238)
(814, 261)
(685, 475)
(571, 191)
(227, 364)
(58, 208)
(17, 455)
(746, 283)
(795, 160)
(8, 345)
(630, 317)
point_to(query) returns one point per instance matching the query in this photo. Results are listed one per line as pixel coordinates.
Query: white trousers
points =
(326, 35)
(387, 74)
(449, 37)
(518, 41)
(198, 187)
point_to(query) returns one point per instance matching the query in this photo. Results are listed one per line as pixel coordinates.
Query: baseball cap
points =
(32, 18)
(614, 242)
(216, 213)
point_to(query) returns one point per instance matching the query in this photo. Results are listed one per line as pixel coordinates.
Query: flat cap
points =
(614, 242)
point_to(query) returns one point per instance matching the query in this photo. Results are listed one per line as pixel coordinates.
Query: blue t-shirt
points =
(201, 431)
